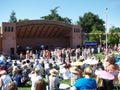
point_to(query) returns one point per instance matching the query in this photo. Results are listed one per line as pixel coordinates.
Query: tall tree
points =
(55, 16)
(90, 21)
(13, 17)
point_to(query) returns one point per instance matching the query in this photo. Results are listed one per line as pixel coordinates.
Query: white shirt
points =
(65, 73)
(34, 79)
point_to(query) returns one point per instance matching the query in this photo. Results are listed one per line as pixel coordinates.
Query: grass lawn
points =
(29, 87)
(24, 88)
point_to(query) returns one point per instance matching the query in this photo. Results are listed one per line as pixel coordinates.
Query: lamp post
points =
(106, 33)
(100, 39)
(119, 37)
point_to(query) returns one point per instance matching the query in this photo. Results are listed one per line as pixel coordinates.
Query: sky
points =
(73, 9)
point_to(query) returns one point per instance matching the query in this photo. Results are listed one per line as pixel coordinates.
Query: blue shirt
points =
(18, 80)
(85, 84)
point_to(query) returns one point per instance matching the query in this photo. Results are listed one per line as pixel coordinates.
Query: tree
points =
(56, 17)
(113, 38)
(96, 36)
(13, 17)
(89, 21)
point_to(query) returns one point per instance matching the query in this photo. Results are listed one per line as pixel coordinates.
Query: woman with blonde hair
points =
(75, 74)
(35, 76)
(87, 82)
(41, 85)
(12, 86)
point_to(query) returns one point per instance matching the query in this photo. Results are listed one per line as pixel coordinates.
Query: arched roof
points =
(42, 28)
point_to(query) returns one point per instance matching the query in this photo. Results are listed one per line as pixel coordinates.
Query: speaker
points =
(12, 51)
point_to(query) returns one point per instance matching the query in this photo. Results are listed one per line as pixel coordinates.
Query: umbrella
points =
(77, 63)
(104, 74)
(91, 61)
(64, 86)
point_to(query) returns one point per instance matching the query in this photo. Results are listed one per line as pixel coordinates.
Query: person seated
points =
(87, 82)
(75, 74)
(104, 80)
(20, 80)
(54, 80)
(64, 72)
(40, 85)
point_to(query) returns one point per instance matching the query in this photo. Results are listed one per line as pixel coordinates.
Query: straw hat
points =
(74, 70)
(53, 72)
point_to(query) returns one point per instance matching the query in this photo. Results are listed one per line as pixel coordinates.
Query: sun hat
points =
(53, 72)
(104, 74)
(74, 70)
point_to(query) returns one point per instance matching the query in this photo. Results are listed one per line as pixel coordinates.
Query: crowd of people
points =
(46, 68)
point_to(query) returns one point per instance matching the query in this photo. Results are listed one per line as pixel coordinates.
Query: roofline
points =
(43, 22)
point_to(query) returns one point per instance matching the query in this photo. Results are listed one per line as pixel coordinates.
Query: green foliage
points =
(55, 16)
(114, 29)
(13, 17)
(96, 37)
(99, 56)
(113, 38)
(90, 21)
(22, 20)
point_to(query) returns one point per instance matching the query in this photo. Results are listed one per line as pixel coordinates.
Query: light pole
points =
(100, 39)
(106, 32)
(119, 37)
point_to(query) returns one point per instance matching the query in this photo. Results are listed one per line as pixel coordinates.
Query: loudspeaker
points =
(12, 51)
